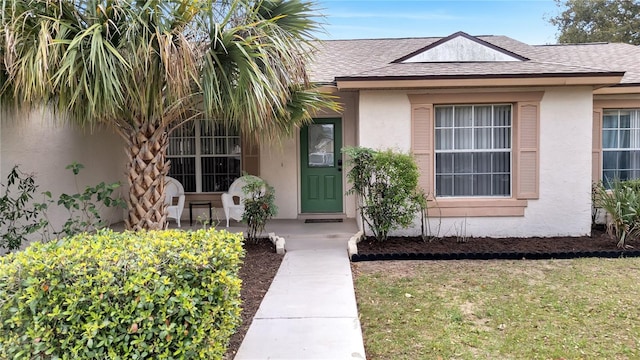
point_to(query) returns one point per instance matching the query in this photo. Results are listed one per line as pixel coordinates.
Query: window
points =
(620, 145)
(473, 150)
(477, 152)
(205, 157)
(320, 147)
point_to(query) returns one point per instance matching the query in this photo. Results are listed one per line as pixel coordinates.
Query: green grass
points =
(557, 309)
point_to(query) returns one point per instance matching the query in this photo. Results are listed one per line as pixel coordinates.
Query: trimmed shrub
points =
(385, 184)
(158, 294)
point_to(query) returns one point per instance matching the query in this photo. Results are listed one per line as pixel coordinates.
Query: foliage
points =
(160, 294)
(259, 205)
(540, 309)
(19, 215)
(385, 183)
(84, 208)
(634, 184)
(622, 203)
(583, 21)
(146, 67)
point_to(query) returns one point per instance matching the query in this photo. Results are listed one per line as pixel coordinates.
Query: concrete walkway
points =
(310, 309)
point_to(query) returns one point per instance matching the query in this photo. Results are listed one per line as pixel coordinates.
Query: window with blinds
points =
(473, 150)
(620, 145)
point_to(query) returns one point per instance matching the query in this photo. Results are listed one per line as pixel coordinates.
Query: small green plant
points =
(20, 216)
(206, 222)
(84, 207)
(259, 206)
(622, 203)
(122, 295)
(385, 183)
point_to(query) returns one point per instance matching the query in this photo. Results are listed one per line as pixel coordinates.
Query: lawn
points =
(555, 309)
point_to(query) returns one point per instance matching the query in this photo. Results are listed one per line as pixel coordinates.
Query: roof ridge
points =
(385, 38)
(579, 44)
(410, 38)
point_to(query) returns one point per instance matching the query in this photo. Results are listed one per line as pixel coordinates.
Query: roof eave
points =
(625, 88)
(553, 79)
(328, 88)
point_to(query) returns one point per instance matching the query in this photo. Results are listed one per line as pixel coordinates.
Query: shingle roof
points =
(373, 58)
(610, 56)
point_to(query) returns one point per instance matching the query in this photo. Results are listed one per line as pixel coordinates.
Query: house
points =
(509, 137)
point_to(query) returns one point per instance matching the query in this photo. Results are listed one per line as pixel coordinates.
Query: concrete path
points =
(310, 309)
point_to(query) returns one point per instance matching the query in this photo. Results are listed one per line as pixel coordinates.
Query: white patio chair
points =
(173, 189)
(233, 210)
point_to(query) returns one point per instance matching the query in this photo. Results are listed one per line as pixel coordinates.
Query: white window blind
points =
(620, 145)
(473, 150)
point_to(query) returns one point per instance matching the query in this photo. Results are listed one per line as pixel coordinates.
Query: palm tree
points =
(145, 67)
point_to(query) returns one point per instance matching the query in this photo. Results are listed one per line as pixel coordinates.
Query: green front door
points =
(321, 166)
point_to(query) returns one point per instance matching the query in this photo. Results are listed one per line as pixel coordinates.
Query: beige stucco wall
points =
(385, 120)
(564, 206)
(279, 167)
(44, 147)
(280, 162)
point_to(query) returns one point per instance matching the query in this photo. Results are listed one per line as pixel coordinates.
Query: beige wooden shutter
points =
(422, 143)
(250, 156)
(596, 152)
(527, 153)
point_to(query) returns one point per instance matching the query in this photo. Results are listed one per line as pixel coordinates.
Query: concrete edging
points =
(279, 242)
(352, 244)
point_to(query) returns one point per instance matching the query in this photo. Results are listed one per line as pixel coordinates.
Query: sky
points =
(523, 20)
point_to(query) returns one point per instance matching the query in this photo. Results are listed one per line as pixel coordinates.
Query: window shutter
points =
(422, 144)
(527, 155)
(250, 156)
(596, 153)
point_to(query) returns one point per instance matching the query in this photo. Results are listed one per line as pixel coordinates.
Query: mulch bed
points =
(599, 244)
(260, 266)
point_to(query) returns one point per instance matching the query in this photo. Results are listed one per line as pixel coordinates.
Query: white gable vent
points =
(460, 47)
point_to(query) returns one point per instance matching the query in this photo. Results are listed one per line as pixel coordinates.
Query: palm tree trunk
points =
(146, 171)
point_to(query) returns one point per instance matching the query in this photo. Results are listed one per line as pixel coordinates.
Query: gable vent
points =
(460, 47)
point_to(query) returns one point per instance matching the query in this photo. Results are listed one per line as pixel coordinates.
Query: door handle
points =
(339, 164)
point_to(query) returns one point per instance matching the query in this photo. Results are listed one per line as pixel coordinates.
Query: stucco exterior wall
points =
(279, 167)
(385, 120)
(44, 147)
(564, 205)
(280, 162)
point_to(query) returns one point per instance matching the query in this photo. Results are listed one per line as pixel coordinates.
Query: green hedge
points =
(162, 294)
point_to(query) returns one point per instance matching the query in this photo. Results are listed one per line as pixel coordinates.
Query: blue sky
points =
(523, 20)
